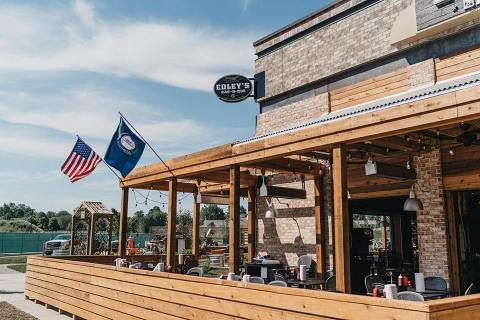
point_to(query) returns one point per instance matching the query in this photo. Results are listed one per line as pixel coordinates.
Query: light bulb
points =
(451, 152)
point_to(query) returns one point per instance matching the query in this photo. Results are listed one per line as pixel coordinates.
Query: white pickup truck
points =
(60, 245)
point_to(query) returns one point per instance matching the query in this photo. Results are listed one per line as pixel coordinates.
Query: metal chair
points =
(278, 283)
(331, 283)
(370, 280)
(195, 271)
(257, 280)
(410, 296)
(470, 289)
(281, 275)
(435, 283)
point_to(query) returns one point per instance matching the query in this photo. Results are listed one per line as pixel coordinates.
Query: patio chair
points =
(470, 289)
(435, 283)
(370, 280)
(257, 280)
(281, 275)
(236, 278)
(331, 283)
(410, 296)
(195, 271)
(278, 283)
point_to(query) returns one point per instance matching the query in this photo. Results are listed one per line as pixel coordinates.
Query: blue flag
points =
(124, 150)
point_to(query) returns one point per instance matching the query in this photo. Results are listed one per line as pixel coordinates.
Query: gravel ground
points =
(7, 311)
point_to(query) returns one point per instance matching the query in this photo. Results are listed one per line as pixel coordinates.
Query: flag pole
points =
(146, 142)
(113, 171)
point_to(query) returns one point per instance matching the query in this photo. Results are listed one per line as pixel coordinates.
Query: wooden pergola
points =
(233, 168)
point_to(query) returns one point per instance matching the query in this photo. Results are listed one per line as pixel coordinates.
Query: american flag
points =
(81, 161)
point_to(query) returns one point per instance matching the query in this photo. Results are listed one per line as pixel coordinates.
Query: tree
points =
(42, 220)
(155, 217)
(184, 221)
(53, 225)
(243, 211)
(64, 218)
(212, 212)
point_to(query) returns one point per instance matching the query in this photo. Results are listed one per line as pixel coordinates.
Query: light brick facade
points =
(432, 221)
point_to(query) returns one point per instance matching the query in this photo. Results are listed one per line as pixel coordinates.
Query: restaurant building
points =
(368, 143)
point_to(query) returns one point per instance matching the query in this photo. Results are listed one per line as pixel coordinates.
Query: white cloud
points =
(71, 39)
(245, 5)
(85, 12)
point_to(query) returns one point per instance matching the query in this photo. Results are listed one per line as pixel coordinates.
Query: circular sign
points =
(126, 143)
(233, 88)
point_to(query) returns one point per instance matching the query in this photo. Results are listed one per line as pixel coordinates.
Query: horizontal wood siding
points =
(458, 65)
(369, 90)
(95, 291)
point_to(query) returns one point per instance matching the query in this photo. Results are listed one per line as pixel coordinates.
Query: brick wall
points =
(432, 221)
(291, 233)
(292, 114)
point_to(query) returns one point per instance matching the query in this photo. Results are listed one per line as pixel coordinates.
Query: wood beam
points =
(122, 236)
(216, 199)
(319, 230)
(223, 177)
(252, 223)
(288, 165)
(172, 223)
(286, 193)
(444, 109)
(398, 143)
(196, 227)
(234, 221)
(341, 219)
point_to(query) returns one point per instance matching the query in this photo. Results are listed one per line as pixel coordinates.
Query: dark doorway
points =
(383, 240)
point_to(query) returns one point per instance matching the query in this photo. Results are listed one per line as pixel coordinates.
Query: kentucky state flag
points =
(124, 150)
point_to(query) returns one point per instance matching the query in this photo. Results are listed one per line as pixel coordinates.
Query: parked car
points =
(60, 243)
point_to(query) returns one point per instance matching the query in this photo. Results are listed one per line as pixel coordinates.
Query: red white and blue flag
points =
(81, 161)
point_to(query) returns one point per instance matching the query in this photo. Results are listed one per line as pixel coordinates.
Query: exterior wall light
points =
(412, 203)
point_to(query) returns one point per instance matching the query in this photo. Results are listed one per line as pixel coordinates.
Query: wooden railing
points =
(96, 291)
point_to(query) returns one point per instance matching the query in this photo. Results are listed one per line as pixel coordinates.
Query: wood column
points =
(234, 221)
(172, 223)
(72, 231)
(122, 229)
(341, 219)
(319, 232)
(196, 227)
(453, 257)
(252, 223)
(91, 236)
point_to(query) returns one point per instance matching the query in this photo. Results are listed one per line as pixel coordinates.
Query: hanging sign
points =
(233, 88)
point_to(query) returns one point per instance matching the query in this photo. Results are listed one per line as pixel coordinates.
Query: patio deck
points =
(94, 290)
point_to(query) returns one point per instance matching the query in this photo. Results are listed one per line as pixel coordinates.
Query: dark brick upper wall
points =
(428, 14)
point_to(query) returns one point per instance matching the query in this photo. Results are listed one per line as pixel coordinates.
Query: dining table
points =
(306, 284)
(430, 294)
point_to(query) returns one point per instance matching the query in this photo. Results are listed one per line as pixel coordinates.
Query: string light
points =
(451, 152)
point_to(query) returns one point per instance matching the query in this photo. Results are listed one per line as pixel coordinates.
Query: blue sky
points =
(68, 67)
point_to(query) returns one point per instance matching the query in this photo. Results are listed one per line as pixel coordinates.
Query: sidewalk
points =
(12, 290)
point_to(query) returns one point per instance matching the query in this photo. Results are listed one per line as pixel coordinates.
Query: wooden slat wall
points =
(369, 90)
(95, 291)
(458, 65)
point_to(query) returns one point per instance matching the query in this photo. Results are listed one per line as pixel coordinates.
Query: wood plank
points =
(459, 72)
(304, 301)
(184, 305)
(122, 237)
(319, 228)
(362, 84)
(341, 219)
(196, 227)
(172, 223)
(444, 62)
(234, 221)
(215, 199)
(44, 297)
(252, 222)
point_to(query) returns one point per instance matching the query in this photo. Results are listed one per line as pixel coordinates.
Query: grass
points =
(13, 260)
(18, 267)
(17, 263)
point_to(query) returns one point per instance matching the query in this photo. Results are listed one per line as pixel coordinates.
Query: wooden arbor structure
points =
(92, 224)
(374, 121)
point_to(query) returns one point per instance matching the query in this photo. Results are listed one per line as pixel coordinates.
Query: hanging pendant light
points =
(263, 187)
(270, 211)
(412, 203)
